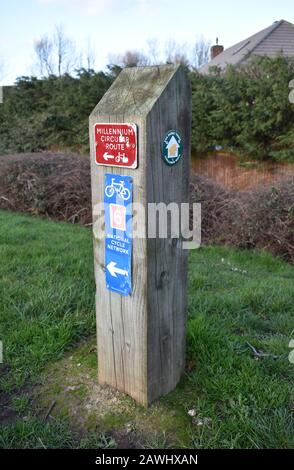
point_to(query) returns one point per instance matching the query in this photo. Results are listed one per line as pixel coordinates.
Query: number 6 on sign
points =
(118, 217)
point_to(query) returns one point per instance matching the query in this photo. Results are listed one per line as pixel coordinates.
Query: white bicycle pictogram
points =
(119, 189)
(121, 157)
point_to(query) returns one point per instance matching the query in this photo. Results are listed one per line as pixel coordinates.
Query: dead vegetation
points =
(259, 218)
(57, 186)
(47, 184)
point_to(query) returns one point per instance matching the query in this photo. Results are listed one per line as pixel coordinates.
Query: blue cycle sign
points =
(118, 232)
(117, 187)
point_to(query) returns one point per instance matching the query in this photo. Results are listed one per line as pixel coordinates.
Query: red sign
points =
(118, 216)
(116, 145)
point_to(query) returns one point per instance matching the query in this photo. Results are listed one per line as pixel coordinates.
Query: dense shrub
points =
(259, 218)
(58, 186)
(247, 109)
(46, 184)
(50, 113)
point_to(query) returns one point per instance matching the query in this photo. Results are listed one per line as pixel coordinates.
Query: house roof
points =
(277, 38)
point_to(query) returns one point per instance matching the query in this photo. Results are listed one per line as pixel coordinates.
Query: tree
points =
(200, 53)
(66, 52)
(55, 55)
(176, 53)
(44, 53)
(245, 109)
(131, 58)
(51, 112)
(3, 68)
(153, 51)
(90, 55)
(1, 76)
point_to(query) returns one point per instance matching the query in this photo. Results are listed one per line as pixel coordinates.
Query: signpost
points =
(140, 155)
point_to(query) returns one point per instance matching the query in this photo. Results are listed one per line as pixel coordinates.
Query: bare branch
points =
(1, 69)
(176, 53)
(90, 55)
(65, 52)
(44, 53)
(200, 53)
(153, 51)
(55, 55)
(129, 59)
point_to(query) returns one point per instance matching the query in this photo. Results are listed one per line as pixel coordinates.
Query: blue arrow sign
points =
(118, 197)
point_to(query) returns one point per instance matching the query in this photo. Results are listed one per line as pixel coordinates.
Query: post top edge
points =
(136, 89)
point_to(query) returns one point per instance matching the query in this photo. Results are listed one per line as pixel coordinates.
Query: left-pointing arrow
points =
(114, 270)
(107, 156)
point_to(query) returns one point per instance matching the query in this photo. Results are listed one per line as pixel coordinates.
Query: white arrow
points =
(114, 270)
(107, 156)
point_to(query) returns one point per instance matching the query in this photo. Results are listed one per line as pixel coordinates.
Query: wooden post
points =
(141, 336)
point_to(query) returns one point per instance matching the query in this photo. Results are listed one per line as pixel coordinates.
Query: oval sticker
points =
(172, 147)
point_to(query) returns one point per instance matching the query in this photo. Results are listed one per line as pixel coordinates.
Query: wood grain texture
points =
(166, 260)
(141, 338)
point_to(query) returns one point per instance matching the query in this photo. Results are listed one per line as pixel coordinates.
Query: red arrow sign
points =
(116, 144)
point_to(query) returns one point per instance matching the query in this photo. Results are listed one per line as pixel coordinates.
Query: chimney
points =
(216, 50)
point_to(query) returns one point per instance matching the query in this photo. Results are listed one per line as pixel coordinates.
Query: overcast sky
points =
(118, 25)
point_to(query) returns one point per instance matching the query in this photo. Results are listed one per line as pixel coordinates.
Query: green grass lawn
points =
(47, 293)
(238, 301)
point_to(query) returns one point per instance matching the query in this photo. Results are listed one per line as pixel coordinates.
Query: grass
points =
(239, 302)
(47, 293)
(242, 299)
(34, 434)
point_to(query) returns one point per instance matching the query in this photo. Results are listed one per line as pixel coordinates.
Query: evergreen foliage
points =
(52, 113)
(246, 110)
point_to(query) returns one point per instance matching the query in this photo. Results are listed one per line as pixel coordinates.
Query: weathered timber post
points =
(140, 152)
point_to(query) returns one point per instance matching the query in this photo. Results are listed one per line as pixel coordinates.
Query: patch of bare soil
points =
(70, 389)
(7, 414)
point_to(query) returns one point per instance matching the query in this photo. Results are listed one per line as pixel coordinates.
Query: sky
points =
(114, 26)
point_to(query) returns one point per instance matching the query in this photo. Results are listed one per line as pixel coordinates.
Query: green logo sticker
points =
(172, 147)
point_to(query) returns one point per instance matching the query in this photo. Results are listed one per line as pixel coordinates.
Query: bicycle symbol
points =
(119, 189)
(121, 157)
